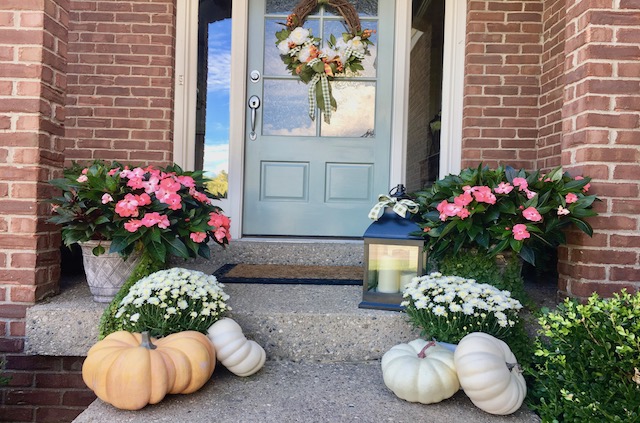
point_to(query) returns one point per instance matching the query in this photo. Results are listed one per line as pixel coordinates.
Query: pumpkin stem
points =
(428, 345)
(515, 366)
(146, 341)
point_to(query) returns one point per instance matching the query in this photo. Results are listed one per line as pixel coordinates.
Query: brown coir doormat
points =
(289, 274)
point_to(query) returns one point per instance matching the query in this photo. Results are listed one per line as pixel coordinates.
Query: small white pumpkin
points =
(420, 371)
(239, 355)
(489, 374)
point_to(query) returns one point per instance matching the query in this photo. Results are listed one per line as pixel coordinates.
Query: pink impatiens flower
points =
(463, 199)
(133, 225)
(530, 213)
(586, 187)
(484, 195)
(520, 232)
(82, 178)
(222, 224)
(504, 188)
(521, 183)
(562, 211)
(447, 209)
(155, 218)
(128, 207)
(571, 198)
(106, 198)
(197, 236)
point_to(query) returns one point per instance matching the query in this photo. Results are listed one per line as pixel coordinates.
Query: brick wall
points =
(43, 389)
(418, 138)
(32, 85)
(601, 123)
(502, 83)
(551, 85)
(120, 102)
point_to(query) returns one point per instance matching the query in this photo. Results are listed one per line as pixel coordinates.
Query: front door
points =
(307, 177)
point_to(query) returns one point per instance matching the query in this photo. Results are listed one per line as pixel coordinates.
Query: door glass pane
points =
(336, 28)
(364, 8)
(212, 111)
(286, 109)
(282, 7)
(355, 116)
(273, 65)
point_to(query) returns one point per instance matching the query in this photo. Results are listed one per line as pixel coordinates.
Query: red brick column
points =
(502, 83)
(32, 87)
(601, 126)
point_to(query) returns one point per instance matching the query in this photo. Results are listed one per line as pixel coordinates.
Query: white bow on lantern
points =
(400, 206)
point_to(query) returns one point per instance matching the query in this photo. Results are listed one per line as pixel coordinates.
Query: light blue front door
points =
(305, 177)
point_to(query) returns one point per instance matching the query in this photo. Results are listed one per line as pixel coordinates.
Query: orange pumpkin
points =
(131, 370)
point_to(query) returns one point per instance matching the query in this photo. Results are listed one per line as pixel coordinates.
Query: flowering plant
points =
(493, 210)
(449, 307)
(160, 211)
(170, 301)
(316, 64)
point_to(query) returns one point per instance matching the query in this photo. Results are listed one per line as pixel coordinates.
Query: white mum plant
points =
(173, 300)
(447, 308)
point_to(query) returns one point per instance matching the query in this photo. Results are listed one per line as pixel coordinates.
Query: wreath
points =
(315, 65)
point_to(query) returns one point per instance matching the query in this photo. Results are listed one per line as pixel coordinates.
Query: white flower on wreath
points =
(356, 44)
(283, 46)
(299, 35)
(304, 53)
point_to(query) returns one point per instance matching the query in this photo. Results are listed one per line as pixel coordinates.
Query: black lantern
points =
(392, 256)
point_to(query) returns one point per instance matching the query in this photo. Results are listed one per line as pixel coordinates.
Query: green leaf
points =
(582, 225)
(528, 255)
(176, 247)
(157, 251)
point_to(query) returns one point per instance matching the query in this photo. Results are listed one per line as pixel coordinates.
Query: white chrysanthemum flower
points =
(135, 317)
(455, 307)
(182, 304)
(439, 310)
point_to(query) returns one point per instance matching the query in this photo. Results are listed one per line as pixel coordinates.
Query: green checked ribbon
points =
(348, 52)
(399, 206)
(319, 94)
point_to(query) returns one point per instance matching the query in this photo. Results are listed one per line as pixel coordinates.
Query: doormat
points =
(289, 274)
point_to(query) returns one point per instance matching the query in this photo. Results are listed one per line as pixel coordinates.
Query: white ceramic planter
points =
(107, 272)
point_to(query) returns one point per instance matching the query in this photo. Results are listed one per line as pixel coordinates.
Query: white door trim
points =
(455, 24)
(185, 91)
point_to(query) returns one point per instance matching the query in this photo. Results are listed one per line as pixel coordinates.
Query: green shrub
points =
(587, 361)
(485, 269)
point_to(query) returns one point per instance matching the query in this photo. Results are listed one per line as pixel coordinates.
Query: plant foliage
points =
(587, 361)
(501, 209)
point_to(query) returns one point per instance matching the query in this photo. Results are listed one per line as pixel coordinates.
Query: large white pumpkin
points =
(239, 355)
(420, 371)
(490, 374)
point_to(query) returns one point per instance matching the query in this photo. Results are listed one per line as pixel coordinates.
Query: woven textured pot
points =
(107, 272)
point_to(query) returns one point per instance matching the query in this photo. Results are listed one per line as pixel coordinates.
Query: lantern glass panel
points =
(391, 267)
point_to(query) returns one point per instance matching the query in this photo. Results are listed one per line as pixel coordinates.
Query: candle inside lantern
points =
(405, 278)
(388, 275)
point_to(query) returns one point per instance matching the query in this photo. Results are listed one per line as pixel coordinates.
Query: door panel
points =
(305, 177)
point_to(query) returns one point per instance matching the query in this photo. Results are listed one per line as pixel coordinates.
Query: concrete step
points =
(323, 351)
(285, 392)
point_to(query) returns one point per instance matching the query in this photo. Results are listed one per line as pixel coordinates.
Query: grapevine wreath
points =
(317, 65)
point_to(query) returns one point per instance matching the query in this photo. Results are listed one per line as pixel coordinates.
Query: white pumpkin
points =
(420, 371)
(239, 355)
(490, 374)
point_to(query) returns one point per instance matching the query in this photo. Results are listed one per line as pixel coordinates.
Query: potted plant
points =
(486, 213)
(119, 212)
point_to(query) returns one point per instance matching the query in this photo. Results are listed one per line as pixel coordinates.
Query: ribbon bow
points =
(325, 93)
(399, 206)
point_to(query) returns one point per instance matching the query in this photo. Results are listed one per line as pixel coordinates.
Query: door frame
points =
(185, 89)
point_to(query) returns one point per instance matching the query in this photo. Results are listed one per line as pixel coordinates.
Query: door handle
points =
(254, 103)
